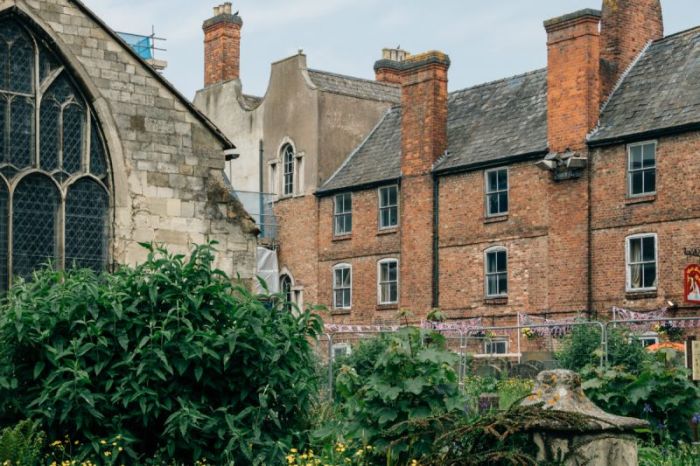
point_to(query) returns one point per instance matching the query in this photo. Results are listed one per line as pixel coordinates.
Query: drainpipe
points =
(262, 190)
(436, 241)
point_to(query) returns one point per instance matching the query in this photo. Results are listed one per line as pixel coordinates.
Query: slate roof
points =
(376, 160)
(496, 120)
(355, 87)
(486, 123)
(660, 91)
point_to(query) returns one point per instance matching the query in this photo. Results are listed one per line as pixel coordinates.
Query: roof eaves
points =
(524, 157)
(199, 115)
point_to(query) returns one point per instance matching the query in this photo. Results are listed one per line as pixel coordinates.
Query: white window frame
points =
(345, 347)
(344, 213)
(630, 171)
(495, 249)
(387, 207)
(646, 337)
(497, 341)
(380, 282)
(284, 153)
(488, 193)
(629, 264)
(335, 287)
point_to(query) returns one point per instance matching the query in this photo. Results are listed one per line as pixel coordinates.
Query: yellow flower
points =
(103, 442)
(294, 450)
(108, 453)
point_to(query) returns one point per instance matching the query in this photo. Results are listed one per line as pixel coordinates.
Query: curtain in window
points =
(636, 263)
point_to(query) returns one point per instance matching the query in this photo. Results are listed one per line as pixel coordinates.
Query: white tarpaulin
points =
(268, 270)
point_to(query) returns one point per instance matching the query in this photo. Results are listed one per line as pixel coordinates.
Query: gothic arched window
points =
(288, 165)
(54, 176)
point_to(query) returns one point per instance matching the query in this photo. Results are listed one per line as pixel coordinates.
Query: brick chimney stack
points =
(388, 69)
(222, 46)
(627, 26)
(423, 141)
(573, 78)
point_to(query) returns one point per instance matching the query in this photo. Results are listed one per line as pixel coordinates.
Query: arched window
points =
(54, 176)
(286, 288)
(288, 166)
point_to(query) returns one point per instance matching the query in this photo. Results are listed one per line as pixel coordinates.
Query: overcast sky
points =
(486, 40)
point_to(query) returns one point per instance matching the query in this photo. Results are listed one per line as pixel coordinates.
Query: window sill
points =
(635, 295)
(496, 219)
(647, 198)
(387, 307)
(340, 312)
(388, 231)
(502, 301)
(342, 238)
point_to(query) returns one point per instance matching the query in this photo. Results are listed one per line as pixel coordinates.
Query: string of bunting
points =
(464, 326)
(652, 317)
(558, 329)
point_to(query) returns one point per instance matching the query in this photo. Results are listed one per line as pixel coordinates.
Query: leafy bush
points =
(170, 355)
(412, 379)
(669, 455)
(660, 392)
(511, 391)
(582, 347)
(22, 444)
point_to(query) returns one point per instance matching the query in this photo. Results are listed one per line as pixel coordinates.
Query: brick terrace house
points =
(99, 152)
(564, 190)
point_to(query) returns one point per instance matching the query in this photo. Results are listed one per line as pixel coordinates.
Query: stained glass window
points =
(54, 176)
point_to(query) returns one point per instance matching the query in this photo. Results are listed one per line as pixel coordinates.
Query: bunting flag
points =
(647, 318)
(557, 328)
(342, 328)
(468, 326)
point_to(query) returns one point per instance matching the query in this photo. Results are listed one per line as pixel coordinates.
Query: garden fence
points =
(515, 351)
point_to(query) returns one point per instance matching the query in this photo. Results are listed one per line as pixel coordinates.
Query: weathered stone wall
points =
(167, 165)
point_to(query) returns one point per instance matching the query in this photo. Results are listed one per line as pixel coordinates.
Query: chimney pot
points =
(388, 69)
(228, 8)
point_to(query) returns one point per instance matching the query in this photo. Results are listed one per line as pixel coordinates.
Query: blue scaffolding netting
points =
(142, 45)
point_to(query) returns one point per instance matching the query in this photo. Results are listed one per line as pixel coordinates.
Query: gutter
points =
(491, 163)
(358, 187)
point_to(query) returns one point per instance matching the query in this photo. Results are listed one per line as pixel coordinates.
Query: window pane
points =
(493, 204)
(502, 283)
(491, 285)
(393, 195)
(649, 155)
(492, 182)
(635, 276)
(3, 116)
(21, 132)
(649, 181)
(648, 249)
(491, 262)
(346, 298)
(501, 261)
(383, 197)
(503, 203)
(50, 112)
(87, 207)
(650, 275)
(4, 282)
(34, 224)
(636, 157)
(73, 123)
(637, 181)
(502, 179)
(394, 292)
(393, 271)
(98, 163)
(22, 65)
(393, 216)
(4, 61)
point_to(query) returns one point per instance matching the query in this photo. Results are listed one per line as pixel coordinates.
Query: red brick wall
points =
(222, 49)
(298, 238)
(362, 249)
(673, 214)
(627, 26)
(466, 232)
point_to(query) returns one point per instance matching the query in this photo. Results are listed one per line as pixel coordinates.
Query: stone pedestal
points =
(604, 440)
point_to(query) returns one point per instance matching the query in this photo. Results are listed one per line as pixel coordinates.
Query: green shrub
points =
(413, 378)
(170, 355)
(22, 444)
(669, 455)
(582, 347)
(659, 392)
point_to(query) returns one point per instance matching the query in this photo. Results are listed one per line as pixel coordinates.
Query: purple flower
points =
(696, 419)
(647, 408)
